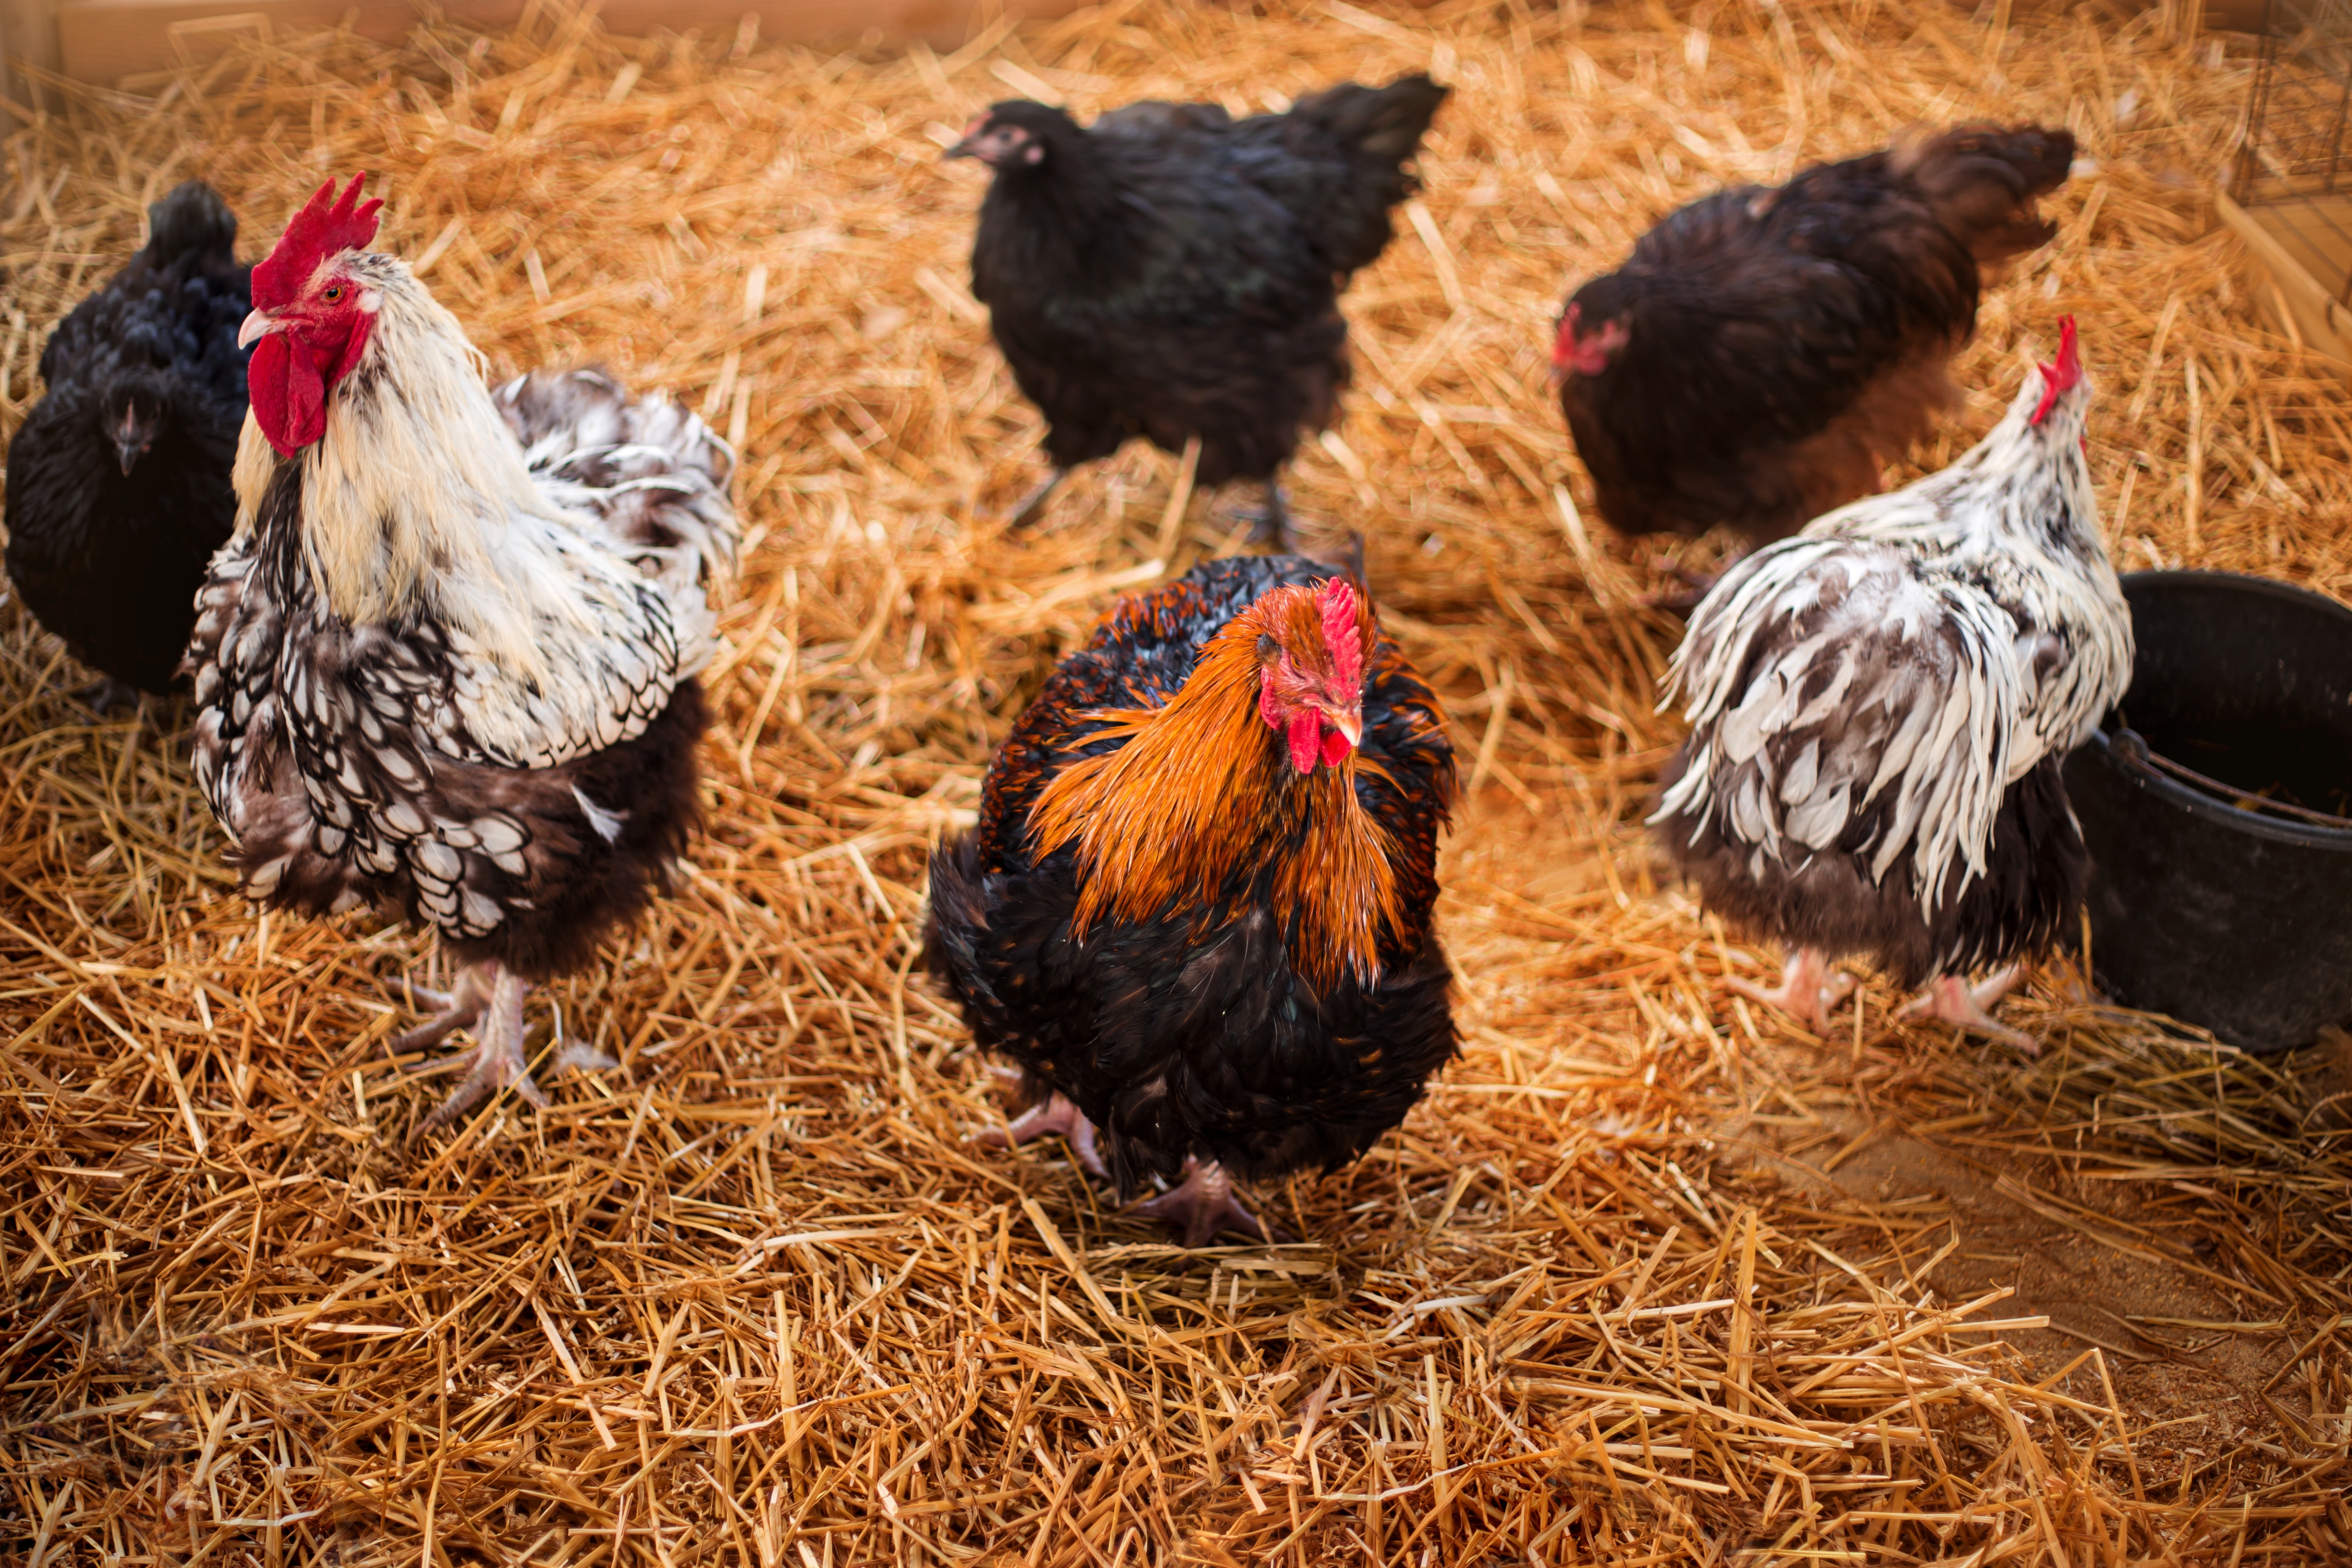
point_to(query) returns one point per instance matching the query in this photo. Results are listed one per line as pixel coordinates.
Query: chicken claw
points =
(580, 1055)
(493, 1010)
(454, 1009)
(1808, 991)
(1950, 998)
(1052, 1114)
(1203, 1203)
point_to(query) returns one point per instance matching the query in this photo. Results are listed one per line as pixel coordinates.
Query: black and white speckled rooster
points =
(446, 666)
(1880, 707)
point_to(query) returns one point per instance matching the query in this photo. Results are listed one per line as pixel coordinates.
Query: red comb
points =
(1337, 603)
(326, 225)
(2063, 376)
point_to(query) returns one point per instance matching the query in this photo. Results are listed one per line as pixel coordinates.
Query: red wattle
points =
(288, 396)
(1306, 741)
(1335, 746)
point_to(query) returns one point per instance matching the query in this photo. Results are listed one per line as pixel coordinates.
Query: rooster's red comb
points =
(326, 225)
(1335, 602)
(2063, 376)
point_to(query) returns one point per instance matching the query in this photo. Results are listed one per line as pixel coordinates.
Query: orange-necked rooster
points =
(447, 663)
(1197, 906)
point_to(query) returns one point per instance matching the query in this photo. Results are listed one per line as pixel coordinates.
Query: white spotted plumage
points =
(1916, 652)
(477, 583)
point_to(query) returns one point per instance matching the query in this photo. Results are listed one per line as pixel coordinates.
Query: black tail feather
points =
(1371, 132)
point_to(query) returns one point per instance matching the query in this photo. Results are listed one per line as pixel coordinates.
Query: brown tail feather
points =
(1984, 180)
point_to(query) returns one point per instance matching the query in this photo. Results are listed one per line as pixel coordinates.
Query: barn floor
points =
(1650, 1278)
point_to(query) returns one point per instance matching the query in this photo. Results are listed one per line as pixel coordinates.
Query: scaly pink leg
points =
(1203, 1205)
(1808, 991)
(454, 1009)
(1948, 997)
(1050, 1115)
(497, 1060)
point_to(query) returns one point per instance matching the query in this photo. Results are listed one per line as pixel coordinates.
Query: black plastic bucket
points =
(2205, 905)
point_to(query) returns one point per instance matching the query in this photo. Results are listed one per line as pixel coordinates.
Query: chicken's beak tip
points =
(257, 325)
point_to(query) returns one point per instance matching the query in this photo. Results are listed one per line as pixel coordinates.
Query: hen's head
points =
(1584, 347)
(1311, 646)
(1018, 133)
(314, 305)
(135, 406)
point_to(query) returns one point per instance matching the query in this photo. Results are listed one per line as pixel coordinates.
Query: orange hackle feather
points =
(1202, 790)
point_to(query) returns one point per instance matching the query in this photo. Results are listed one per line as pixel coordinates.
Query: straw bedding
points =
(1648, 1279)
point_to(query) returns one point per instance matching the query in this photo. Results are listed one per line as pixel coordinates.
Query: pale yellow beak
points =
(258, 326)
(1349, 723)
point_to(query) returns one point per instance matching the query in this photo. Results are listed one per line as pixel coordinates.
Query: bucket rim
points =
(2247, 582)
(2196, 802)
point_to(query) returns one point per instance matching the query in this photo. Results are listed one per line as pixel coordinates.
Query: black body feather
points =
(1779, 344)
(111, 560)
(1172, 272)
(1193, 1032)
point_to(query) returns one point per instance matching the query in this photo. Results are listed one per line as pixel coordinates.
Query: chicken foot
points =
(1054, 1113)
(1808, 991)
(1033, 503)
(1202, 1205)
(487, 999)
(454, 1009)
(1950, 998)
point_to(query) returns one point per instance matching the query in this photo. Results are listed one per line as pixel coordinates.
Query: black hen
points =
(118, 480)
(1174, 273)
(1765, 351)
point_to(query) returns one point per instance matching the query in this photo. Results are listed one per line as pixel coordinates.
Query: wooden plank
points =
(2285, 250)
(103, 41)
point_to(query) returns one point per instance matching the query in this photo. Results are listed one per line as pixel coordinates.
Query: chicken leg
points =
(1052, 1114)
(487, 999)
(1202, 1205)
(1271, 524)
(1808, 991)
(1950, 998)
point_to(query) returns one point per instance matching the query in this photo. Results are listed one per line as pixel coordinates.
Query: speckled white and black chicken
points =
(1880, 707)
(447, 664)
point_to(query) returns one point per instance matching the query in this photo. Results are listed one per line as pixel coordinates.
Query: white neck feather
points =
(417, 499)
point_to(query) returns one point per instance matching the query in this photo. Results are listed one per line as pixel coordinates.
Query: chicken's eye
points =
(333, 294)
